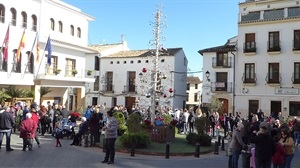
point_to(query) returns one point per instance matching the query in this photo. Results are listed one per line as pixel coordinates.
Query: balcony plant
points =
(74, 71)
(57, 71)
(89, 72)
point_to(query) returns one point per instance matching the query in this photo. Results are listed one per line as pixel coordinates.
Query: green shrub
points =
(203, 139)
(202, 125)
(167, 118)
(141, 139)
(134, 123)
(121, 122)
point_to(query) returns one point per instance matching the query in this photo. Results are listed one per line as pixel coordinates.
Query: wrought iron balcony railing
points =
(250, 78)
(129, 89)
(274, 78)
(249, 47)
(274, 46)
(296, 46)
(224, 63)
(107, 88)
(296, 78)
(221, 87)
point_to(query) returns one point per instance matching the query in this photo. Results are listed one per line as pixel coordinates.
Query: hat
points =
(33, 110)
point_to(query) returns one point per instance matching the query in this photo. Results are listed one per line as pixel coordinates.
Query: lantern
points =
(144, 70)
(171, 90)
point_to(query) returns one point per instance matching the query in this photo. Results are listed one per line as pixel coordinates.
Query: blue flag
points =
(49, 50)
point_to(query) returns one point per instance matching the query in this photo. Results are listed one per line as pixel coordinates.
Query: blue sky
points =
(191, 24)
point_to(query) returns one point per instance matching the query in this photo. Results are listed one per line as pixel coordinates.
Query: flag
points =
(21, 46)
(37, 48)
(49, 50)
(5, 45)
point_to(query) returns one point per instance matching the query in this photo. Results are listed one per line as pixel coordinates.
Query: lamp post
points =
(99, 81)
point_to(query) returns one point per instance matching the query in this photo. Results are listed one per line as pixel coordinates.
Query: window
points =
(294, 108)
(17, 64)
(273, 41)
(111, 62)
(24, 19)
(253, 106)
(296, 40)
(222, 59)
(187, 86)
(109, 81)
(147, 61)
(187, 97)
(249, 76)
(34, 23)
(72, 30)
(139, 61)
(118, 62)
(78, 32)
(70, 67)
(131, 62)
(221, 81)
(52, 24)
(96, 84)
(2, 13)
(13, 17)
(250, 45)
(30, 64)
(196, 97)
(131, 81)
(162, 60)
(53, 67)
(124, 62)
(273, 73)
(296, 73)
(97, 63)
(196, 86)
(60, 26)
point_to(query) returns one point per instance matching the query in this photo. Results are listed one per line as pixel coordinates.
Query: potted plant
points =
(89, 72)
(57, 71)
(74, 71)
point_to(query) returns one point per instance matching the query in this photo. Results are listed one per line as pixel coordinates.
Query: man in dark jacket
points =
(7, 122)
(264, 147)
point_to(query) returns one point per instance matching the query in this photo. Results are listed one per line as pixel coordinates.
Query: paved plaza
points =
(77, 156)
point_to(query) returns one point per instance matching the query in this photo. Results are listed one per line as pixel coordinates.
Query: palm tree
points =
(13, 92)
(43, 91)
(3, 96)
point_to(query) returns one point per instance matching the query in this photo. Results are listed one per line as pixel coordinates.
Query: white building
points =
(69, 39)
(193, 91)
(218, 74)
(268, 57)
(120, 82)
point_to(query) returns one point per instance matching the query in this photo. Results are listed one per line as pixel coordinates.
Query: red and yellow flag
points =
(37, 48)
(21, 46)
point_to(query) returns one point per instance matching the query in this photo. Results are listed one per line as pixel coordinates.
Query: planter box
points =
(162, 134)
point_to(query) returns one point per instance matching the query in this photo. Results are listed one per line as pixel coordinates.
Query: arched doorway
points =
(224, 108)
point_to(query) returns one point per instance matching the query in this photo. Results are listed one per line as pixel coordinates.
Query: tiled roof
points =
(74, 45)
(223, 48)
(193, 79)
(103, 47)
(142, 53)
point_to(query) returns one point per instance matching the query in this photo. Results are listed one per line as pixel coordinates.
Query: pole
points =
(41, 59)
(31, 52)
(197, 150)
(167, 150)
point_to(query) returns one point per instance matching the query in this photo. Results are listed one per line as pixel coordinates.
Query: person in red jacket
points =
(35, 118)
(278, 157)
(28, 130)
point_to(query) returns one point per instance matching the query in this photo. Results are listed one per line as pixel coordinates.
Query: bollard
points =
(219, 140)
(246, 159)
(223, 145)
(216, 148)
(167, 151)
(132, 150)
(197, 150)
(104, 145)
(86, 140)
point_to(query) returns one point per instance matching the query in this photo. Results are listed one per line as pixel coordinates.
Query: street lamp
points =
(207, 74)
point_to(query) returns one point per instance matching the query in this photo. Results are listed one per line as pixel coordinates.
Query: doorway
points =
(94, 100)
(275, 108)
(224, 108)
(129, 102)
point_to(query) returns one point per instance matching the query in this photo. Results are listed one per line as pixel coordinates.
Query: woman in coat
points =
(28, 130)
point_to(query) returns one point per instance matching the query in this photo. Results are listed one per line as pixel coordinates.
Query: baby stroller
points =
(67, 127)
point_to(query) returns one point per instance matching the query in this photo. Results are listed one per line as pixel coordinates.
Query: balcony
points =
(129, 89)
(224, 63)
(294, 12)
(274, 14)
(249, 79)
(250, 48)
(252, 16)
(274, 47)
(295, 78)
(2, 19)
(221, 87)
(107, 88)
(274, 78)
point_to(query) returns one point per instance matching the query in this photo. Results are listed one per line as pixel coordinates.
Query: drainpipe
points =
(233, 84)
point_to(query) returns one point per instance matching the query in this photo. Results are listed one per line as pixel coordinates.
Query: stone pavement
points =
(77, 156)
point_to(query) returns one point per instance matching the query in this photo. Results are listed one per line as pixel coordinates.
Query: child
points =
(217, 126)
(58, 134)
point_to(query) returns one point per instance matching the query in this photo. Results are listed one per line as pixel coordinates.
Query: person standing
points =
(111, 134)
(35, 118)
(7, 122)
(265, 147)
(95, 127)
(288, 143)
(28, 130)
(236, 145)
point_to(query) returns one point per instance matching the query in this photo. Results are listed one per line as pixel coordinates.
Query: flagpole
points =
(31, 51)
(1, 52)
(42, 58)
